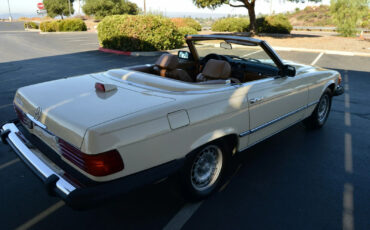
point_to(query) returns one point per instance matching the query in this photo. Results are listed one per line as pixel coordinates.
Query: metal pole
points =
(10, 15)
(144, 6)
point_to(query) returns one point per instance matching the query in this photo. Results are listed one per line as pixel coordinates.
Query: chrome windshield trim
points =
(245, 133)
(36, 162)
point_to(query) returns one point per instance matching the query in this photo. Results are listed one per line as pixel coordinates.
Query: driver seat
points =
(215, 70)
(166, 66)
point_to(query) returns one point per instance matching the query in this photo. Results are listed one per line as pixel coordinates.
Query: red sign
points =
(40, 5)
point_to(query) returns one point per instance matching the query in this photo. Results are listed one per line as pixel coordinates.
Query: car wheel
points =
(321, 112)
(204, 170)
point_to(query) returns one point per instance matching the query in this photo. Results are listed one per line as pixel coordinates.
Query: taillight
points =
(99, 87)
(339, 79)
(101, 164)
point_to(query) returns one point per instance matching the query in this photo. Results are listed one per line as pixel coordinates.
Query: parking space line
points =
(346, 100)
(9, 163)
(348, 219)
(178, 221)
(42, 215)
(252, 53)
(347, 119)
(348, 165)
(5, 106)
(317, 58)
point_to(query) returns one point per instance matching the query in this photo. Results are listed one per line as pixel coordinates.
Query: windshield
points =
(234, 52)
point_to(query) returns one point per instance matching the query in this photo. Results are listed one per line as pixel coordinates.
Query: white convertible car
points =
(95, 136)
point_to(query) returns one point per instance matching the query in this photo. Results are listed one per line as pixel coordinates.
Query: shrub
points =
(49, 26)
(73, 24)
(231, 25)
(101, 8)
(31, 25)
(138, 33)
(187, 22)
(274, 24)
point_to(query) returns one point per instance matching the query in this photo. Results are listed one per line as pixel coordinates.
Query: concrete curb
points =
(32, 30)
(128, 53)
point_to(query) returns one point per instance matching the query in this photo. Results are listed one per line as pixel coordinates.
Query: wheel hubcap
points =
(323, 108)
(206, 167)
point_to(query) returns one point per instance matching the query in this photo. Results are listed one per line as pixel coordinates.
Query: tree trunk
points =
(252, 19)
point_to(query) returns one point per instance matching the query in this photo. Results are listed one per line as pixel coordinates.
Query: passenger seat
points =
(215, 70)
(166, 66)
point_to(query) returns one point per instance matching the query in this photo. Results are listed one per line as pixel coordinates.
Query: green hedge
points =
(187, 22)
(274, 24)
(138, 33)
(231, 25)
(72, 24)
(187, 31)
(31, 25)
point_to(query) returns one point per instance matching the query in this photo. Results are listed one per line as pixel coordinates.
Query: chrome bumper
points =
(32, 157)
(339, 90)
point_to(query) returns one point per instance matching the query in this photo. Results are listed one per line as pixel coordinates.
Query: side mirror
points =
(289, 71)
(226, 45)
(184, 55)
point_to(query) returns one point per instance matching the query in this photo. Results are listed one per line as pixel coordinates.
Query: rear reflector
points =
(101, 164)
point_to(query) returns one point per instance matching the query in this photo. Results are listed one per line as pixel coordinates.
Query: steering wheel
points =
(210, 56)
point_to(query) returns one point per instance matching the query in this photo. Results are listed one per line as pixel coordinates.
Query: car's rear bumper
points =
(339, 90)
(74, 193)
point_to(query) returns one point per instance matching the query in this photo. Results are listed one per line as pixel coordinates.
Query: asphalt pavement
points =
(298, 179)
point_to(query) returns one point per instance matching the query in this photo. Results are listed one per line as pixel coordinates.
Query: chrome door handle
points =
(254, 100)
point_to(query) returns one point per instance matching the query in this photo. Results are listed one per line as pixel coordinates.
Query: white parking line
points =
(9, 163)
(348, 220)
(5, 106)
(178, 221)
(347, 119)
(346, 100)
(317, 58)
(348, 165)
(41, 216)
(251, 53)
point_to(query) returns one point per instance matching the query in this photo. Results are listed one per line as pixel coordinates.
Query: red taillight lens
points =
(99, 87)
(101, 164)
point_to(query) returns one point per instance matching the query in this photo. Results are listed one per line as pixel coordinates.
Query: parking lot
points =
(298, 179)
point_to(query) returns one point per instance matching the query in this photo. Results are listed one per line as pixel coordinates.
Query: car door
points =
(275, 104)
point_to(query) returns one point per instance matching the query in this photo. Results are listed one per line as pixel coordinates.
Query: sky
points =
(169, 8)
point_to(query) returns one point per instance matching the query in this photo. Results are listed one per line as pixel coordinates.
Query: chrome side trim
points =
(37, 163)
(276, 120)
(36, 122)
(249, 146)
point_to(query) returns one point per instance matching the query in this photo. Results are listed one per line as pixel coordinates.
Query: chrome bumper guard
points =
(339, 90)
(54, 182)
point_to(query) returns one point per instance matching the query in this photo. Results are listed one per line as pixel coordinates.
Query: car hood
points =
(70, 106)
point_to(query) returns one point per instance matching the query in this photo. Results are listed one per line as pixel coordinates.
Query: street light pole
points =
(10, 15)
(144, 6)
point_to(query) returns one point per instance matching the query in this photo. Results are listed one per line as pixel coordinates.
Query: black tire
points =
(195, 185)
(321, 112)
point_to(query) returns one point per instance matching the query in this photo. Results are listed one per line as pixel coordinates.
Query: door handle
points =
(254, 100)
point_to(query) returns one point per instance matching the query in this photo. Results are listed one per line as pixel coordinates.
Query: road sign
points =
(40, 5)
(41, 12)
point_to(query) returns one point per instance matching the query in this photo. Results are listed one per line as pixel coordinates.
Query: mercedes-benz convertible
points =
(96, 136)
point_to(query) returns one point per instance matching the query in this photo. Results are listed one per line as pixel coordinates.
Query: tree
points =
(249, 4)
(102, 8)
(347, 14)
(58, 7)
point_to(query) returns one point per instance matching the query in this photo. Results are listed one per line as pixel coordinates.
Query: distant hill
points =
(317, 16)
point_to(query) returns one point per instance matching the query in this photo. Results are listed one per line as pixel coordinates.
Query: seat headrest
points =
(217, 69)
(167, 61)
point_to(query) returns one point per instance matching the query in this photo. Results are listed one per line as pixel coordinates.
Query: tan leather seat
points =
(166, 66)
(215, 70)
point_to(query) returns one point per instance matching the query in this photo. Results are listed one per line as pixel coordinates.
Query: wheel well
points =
(231, 142)
(332, 87)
